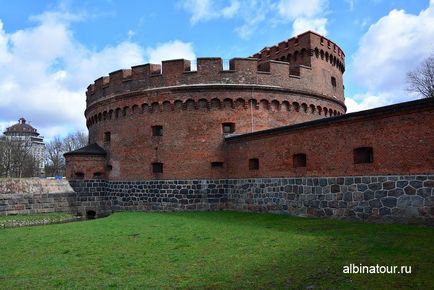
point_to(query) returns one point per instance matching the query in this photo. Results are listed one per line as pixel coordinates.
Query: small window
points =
(299, 160)
(363, 155)
(157, 167)
(228, 128)
(254, 164)
(97, 175)
(217, 164)
(157, 130)
(79, 175)
(333, 81)
(109, 167)
(107, 137)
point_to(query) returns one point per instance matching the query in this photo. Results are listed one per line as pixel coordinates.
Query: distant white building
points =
(25, 133)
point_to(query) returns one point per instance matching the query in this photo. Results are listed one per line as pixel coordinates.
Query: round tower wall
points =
(191, 122)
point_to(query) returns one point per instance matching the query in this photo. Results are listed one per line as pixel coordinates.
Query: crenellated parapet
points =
(301, 48)
(177, 73)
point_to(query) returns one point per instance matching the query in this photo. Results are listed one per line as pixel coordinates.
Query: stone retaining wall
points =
(161, 195)
(402, 199)
(34, 195)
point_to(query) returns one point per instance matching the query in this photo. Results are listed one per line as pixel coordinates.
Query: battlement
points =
(308, 38)
(246, 71)
(300, 49)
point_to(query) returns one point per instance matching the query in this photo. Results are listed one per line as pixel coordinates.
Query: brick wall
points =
(401, 137)
(87, 165)
(33, 195)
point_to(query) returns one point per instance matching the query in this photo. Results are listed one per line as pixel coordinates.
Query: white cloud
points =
(304, 14)
(366, 101)
(171, 50)
(44, 71)
(391, 47)
(205, 10)
(231, 10)
(252, 13)
(301, 25)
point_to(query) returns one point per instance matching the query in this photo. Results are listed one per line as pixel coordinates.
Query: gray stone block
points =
(389, 201)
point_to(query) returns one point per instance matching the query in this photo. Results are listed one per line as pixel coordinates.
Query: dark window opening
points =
(254, 164)
(90, 214)
(97, 175)
(228, 128)
(363, 155)
(79, 175)
(299, 160)
(157, 167)
(107, 137)
(333, 80)
(109, 167)
(217, 164)
(157, 130)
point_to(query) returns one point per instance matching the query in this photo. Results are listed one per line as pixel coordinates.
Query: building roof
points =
(92, 149)
(21, 127)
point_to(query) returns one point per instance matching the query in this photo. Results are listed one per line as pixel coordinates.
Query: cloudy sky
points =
(50, 51)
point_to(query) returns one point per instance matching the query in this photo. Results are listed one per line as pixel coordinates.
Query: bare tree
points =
(74, 141)
(54, 156)
(421, 80)
(16, 159)
(54, 150)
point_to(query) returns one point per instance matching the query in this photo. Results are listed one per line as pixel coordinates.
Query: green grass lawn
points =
(213, 250)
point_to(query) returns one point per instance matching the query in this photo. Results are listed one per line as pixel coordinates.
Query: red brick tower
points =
(169, 122)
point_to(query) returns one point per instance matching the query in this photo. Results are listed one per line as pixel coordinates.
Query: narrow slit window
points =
(333, 81)
(254, 164)
(299, 160)
(157, 167)
(217, 164)
(107, 137)
(79, 175)
(157, 130)
(228, 128)
(97, 175)
(363, 155)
